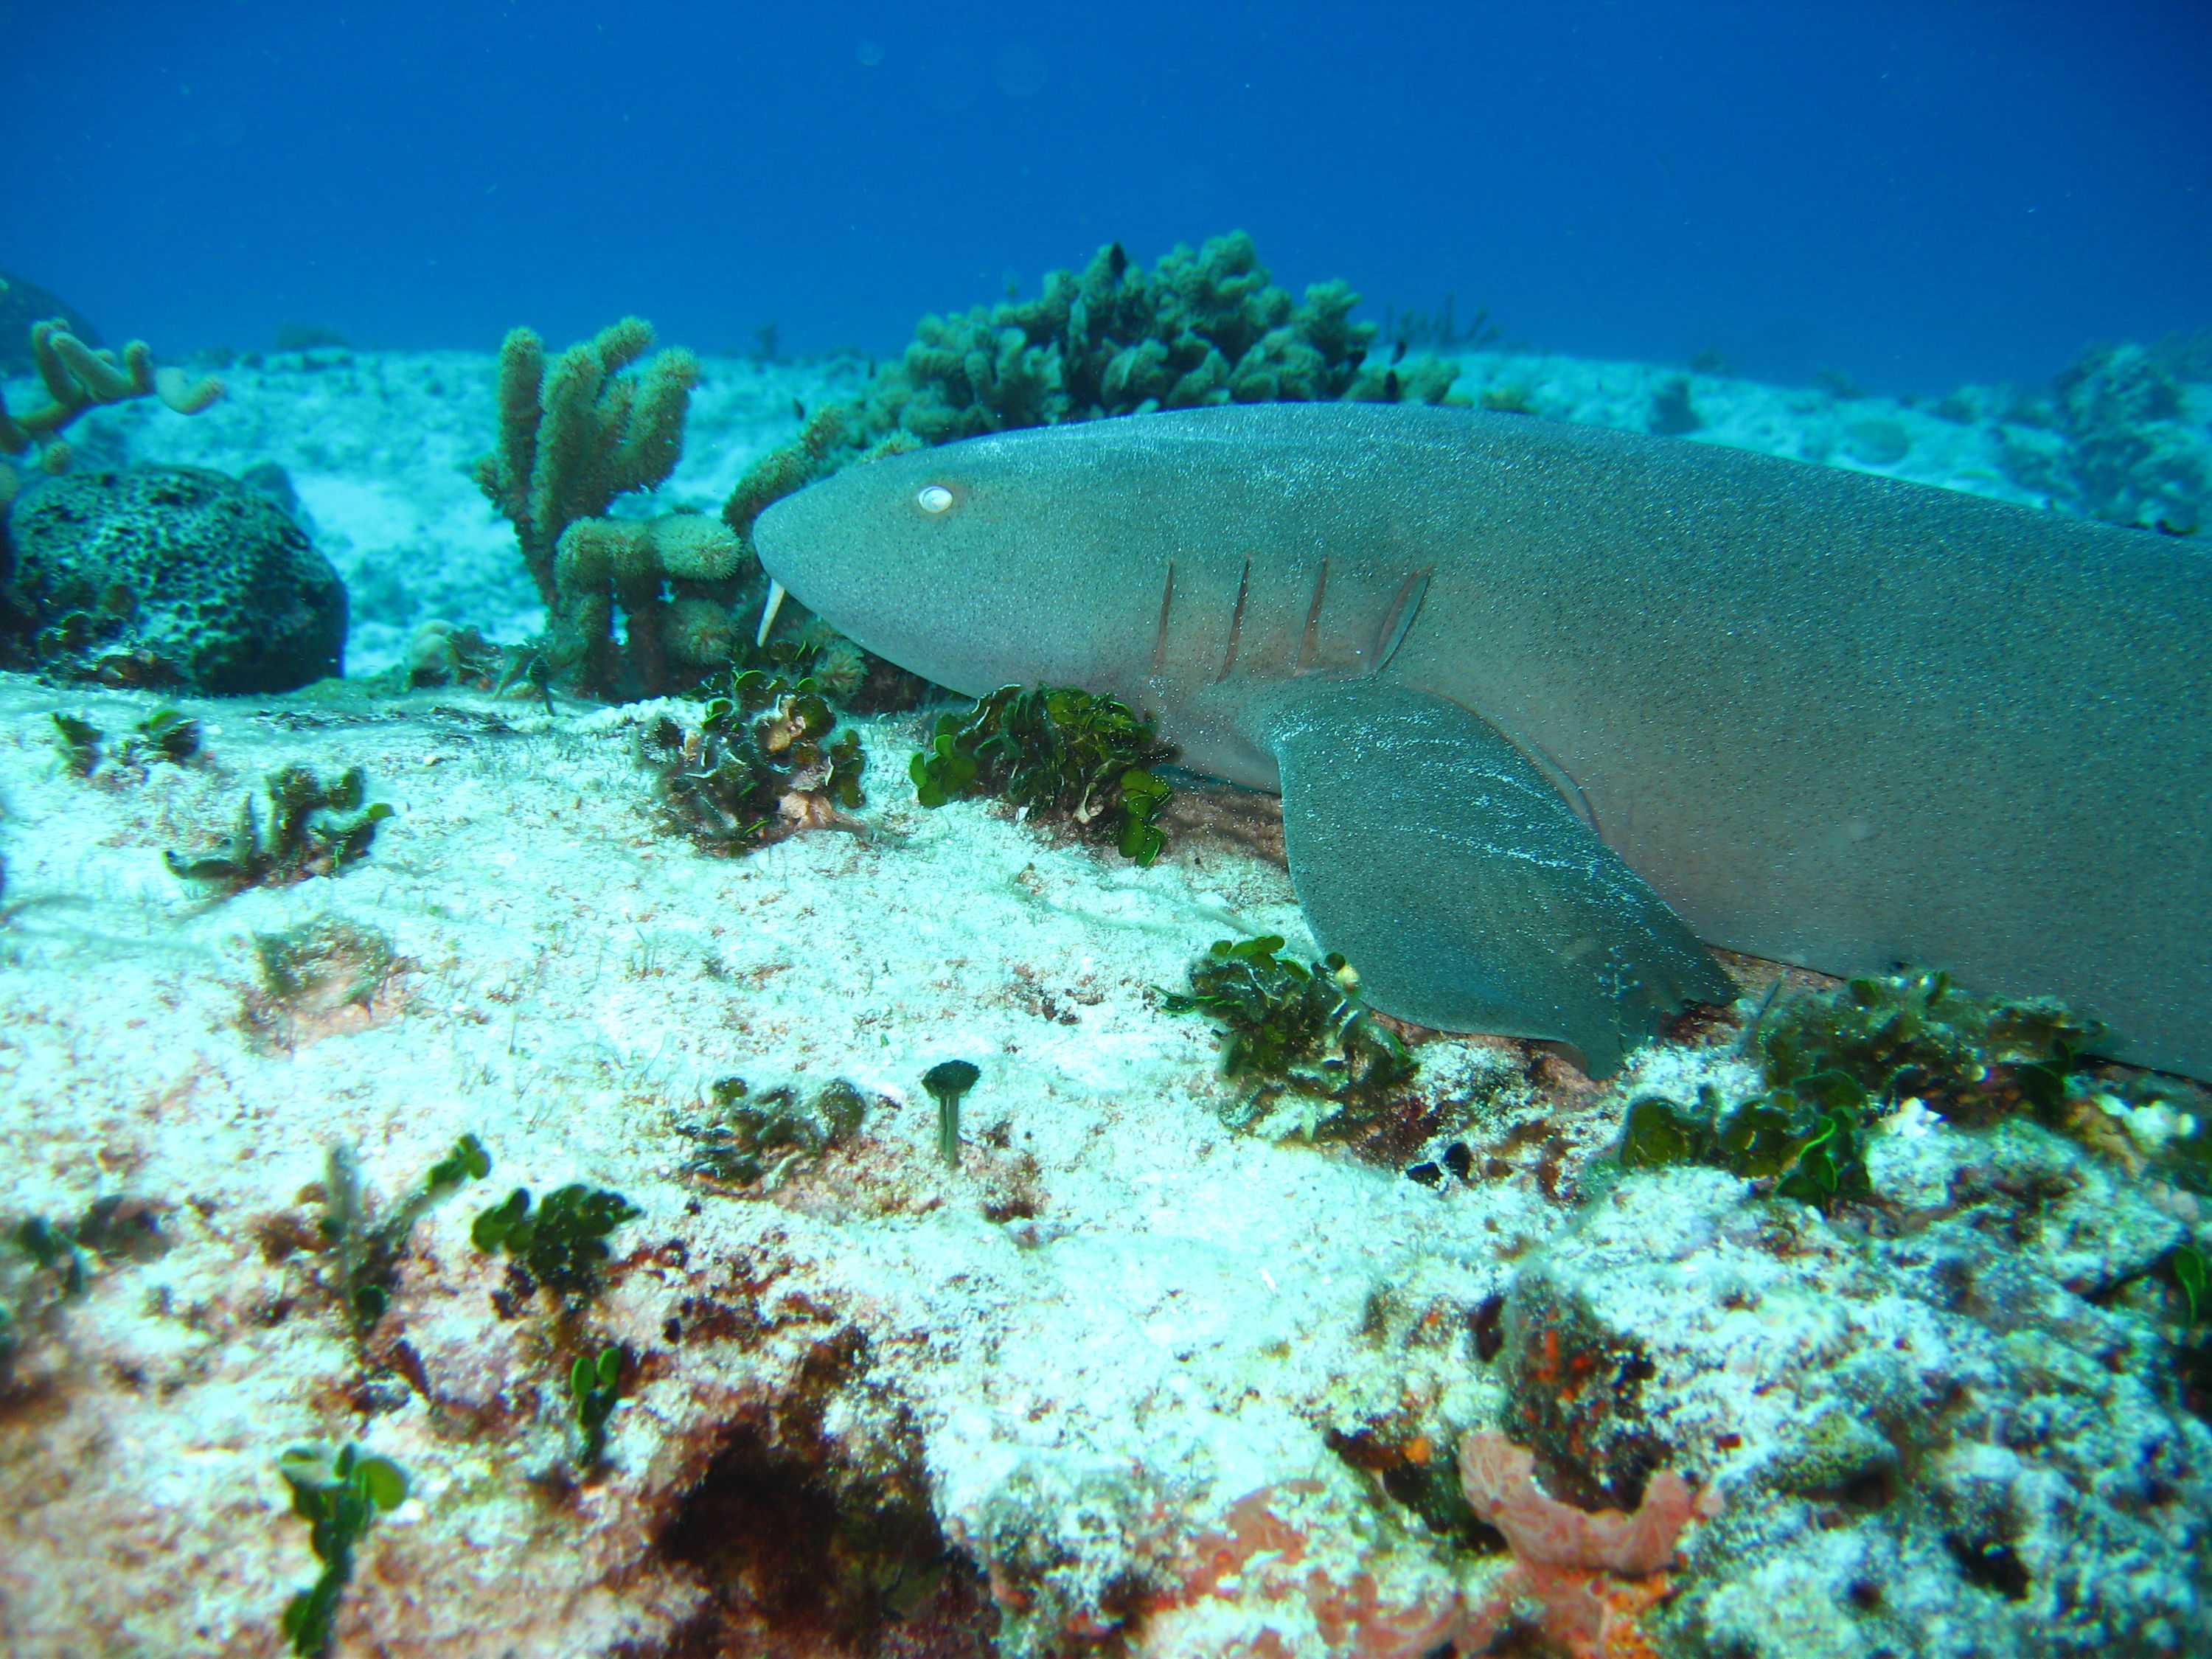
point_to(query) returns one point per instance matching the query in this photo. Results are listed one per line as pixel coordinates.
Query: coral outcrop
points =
(1579, 1578)
(170, 577)
(573, 437)
(1209, 327)
(2137, 424)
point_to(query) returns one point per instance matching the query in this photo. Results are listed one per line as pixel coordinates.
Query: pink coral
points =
(1366, 1607)
(1580, 1578)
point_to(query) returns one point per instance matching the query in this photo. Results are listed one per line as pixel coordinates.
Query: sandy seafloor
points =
(886, 1406)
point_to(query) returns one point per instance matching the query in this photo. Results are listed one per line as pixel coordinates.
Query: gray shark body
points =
(1547, 705)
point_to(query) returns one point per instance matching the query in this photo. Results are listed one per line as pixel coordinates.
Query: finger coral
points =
(77, 376)
(573, 436)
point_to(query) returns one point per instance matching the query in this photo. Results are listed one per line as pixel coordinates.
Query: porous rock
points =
(194, 579)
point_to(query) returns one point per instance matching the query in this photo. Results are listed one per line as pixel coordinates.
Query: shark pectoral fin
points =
(1465, 892)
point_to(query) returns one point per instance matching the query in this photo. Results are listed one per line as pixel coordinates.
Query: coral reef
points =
(168, 576)
(2138, 426)
(1586, 1577)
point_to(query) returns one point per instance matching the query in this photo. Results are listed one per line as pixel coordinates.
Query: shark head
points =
(975, 565)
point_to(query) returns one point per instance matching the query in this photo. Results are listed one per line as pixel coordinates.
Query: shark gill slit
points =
(1307, 642)
(1160, 635)
(1236, 623)
(1400, 617)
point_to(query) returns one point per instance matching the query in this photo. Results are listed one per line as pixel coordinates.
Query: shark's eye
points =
(932, 498)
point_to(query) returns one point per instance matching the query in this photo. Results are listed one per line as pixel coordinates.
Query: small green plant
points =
(163, 735)
(1069, 756)
(747, 1137)
(762, 762)
(338, 1495)
(1916, 1035)
(946, 1082)
(1805, 1140)
(561, 1245)
(594, 1387)
(1834, 1060)
(365, 1247)
(2190, 1273)
(314, 828)
(80, 743)
(1323, 1067)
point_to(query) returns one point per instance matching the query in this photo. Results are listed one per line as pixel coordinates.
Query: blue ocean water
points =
(1911, 194)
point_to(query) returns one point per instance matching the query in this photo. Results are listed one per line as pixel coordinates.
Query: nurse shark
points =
(1549, 705)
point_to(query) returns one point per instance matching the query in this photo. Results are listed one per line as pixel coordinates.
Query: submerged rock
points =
(171, 577)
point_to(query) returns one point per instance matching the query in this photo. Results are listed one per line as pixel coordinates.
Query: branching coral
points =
(77, 377)
(1579, 1578)
(572, 438)
(1209, 327)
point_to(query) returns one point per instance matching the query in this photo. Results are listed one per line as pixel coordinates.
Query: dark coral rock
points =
(171, 575)
(1575, 1387)
(2136, 454)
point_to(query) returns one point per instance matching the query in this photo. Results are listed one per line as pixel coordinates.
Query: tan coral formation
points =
(77, 377)
(573, 436)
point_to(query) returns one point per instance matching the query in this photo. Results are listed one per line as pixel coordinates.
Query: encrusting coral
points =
(1580, 1579)
(573, 436)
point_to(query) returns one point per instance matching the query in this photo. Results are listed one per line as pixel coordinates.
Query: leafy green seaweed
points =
(338, 1495)
(1066, 755)
(762, 762)
(314, 828)
(563, 1242)
(1915, 1034)
(1322, 1066)
(748, 1136)
(594, 1388)
(1834, 1060)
